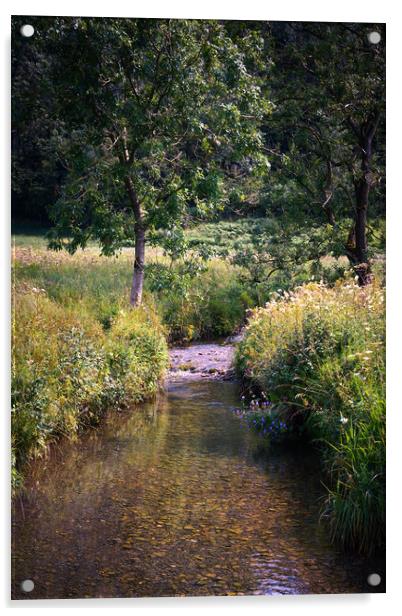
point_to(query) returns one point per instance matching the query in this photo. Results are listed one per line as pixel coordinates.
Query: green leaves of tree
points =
(169, 104)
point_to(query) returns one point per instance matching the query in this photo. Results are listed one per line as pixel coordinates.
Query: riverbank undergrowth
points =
(316, 358)
(67, 371)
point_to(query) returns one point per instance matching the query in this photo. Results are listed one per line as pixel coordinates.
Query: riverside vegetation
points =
(67, 370)
(317, 353)
(231, 178)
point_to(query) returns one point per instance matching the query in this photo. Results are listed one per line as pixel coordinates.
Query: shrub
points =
(67, 371)
(137, 352)
(210, 304)
(319, 355)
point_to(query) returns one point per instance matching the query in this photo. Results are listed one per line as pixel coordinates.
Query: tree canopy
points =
(135, 127)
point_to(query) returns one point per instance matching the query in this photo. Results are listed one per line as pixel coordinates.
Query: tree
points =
(153, 116)
(327, 86)
(35, 172)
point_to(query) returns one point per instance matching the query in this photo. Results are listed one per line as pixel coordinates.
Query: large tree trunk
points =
(139, 251)
(362, 264)
(357, 241)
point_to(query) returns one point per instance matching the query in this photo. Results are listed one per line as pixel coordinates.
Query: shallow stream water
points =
(172, 498)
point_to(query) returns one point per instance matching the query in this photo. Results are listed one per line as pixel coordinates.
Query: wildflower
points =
(344, 420)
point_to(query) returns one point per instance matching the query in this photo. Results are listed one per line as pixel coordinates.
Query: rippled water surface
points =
(171, 499)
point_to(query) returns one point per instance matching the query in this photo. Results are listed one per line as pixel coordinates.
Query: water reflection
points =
(170, 500)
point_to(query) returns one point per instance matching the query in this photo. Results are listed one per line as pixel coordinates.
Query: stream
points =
(173, 498)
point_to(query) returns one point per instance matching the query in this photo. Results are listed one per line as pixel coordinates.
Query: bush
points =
(137, 353)
(67, 371)
(318, 353)
(210, 304)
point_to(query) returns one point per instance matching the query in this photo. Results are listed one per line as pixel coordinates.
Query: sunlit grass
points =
(67, 370)
(210, 304)
(319, 355)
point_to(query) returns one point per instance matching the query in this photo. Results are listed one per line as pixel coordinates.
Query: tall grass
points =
(67, 371)
(210, 304)
(318, 354)
(99, 287)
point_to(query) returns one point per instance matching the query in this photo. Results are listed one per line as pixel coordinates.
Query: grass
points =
(318, 352)
(67, 370)
(193, 304)
(99, 285)
(29, 236)
(225, 234)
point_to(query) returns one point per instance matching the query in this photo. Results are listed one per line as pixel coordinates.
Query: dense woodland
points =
(237, 171)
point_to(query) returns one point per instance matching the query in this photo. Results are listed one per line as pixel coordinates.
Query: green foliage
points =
(318, 353)
(356, 502)
(66, 372)
(195, 298)
(282, 255)
(204, 303)
(149, 113)
(137, 353)
(320, 109)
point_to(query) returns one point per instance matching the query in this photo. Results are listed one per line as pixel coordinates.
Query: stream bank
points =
(173, 499)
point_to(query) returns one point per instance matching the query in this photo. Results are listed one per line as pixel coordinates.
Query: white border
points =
(306, 10)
